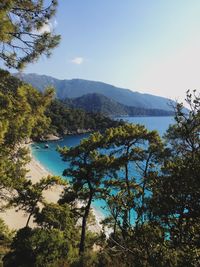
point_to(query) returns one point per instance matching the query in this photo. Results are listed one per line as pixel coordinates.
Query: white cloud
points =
(77, 60)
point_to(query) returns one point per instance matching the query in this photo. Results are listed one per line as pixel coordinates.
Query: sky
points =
(149, 46)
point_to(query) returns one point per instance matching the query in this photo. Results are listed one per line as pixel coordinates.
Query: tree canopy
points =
(22, 116)
(149, 186)
(25, 31)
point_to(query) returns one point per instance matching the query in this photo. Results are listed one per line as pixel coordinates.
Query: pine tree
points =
(25, 32)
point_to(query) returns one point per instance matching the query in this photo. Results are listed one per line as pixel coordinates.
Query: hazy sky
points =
(148, 46)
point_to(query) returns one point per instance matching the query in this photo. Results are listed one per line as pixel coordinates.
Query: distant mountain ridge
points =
(99, 103)
(77, 87)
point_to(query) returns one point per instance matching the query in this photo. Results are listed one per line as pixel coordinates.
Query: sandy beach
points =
(17, 219)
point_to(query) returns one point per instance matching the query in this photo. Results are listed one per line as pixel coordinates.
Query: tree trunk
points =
(84, 225)
(29, 217)
(128, 215)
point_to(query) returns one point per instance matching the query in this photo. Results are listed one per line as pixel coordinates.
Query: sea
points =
(52, 161)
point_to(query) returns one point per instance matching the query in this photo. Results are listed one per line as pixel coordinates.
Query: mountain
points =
(100, 103)
(96, 103)
(77, 87)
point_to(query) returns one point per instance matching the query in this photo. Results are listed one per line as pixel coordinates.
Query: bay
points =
(52, 161)
(161, 124)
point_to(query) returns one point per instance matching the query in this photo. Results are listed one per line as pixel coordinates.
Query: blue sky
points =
(150, 46)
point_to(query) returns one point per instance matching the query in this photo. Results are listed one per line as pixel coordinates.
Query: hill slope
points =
(78, 87)
(100, 103)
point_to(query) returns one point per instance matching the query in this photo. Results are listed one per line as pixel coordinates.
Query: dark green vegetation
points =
(151, 187)
(153, 210)
(54, 116)
(22, 39)
(76, 88)
(22, 116)
(68, 120)
(99, 103)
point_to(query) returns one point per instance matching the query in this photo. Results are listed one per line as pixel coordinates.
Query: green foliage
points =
(5, 233)
(53, 244)
(136, 153)
(68, 120)
(36, 247)
(22, 35)
(175, 200)
(60, 217)
(22, 117)
(12, 173)
(94, 102)
(22, 110)
(181, 170)
(5, 239)
(151, 191)
(153, 210)
(87, 171)
(30, 195)
(55, 216)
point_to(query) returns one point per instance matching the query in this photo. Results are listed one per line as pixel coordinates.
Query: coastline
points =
(16, 219)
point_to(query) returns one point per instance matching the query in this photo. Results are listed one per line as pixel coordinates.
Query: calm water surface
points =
(51, 160)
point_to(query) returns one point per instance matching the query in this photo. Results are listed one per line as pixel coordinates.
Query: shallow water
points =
(51, 159)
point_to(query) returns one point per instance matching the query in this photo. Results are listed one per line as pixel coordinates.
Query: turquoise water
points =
(51, 160)
(160, 124)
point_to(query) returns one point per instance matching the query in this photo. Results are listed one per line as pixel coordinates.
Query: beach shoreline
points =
(16, 219)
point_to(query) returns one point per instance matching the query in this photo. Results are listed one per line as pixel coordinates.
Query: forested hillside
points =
(76, 88)
(99, 103)
(68, 120)
(59, 119)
